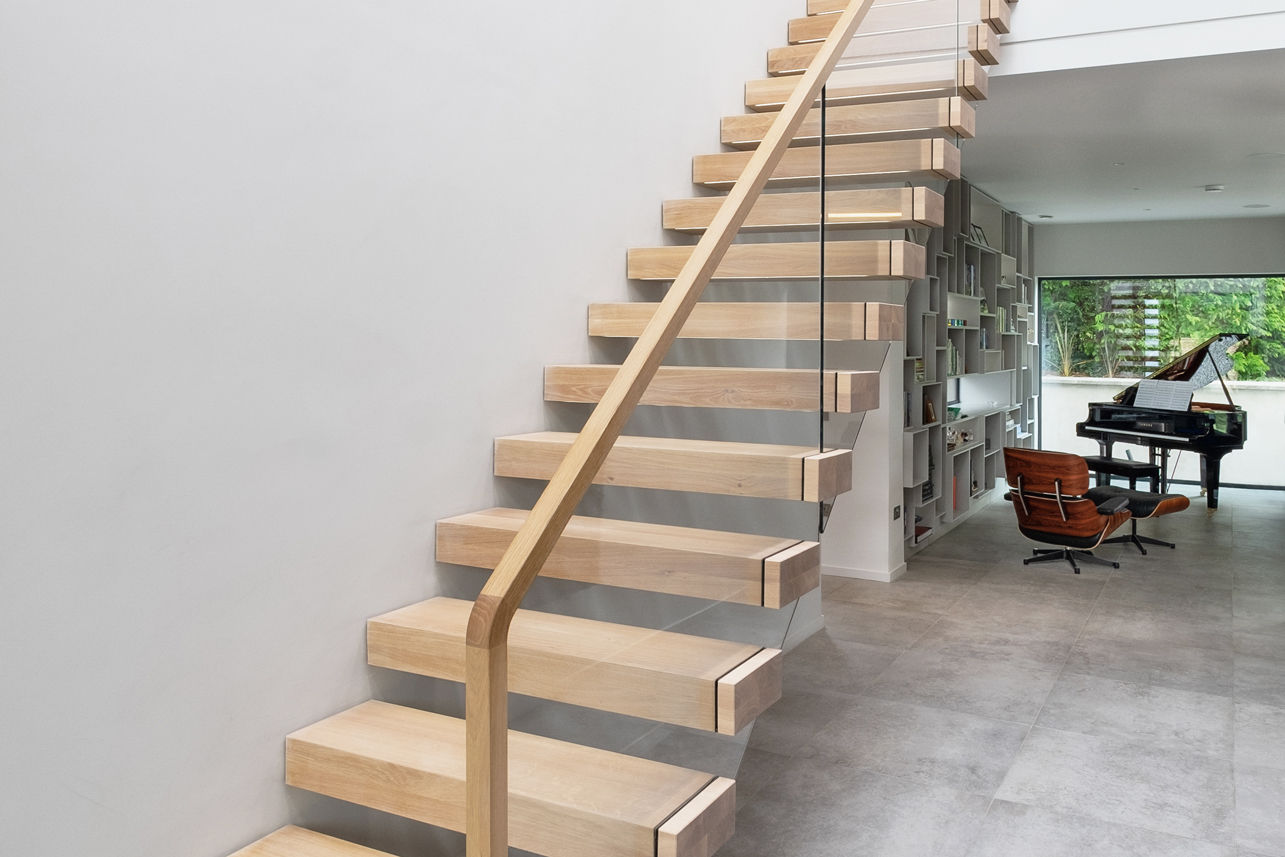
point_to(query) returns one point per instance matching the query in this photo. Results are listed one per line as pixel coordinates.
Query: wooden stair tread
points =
(927, 159)
(751, 320)
(765, 470)
(885, 17)
(697, 682)
(565, 800)
(845, 391)
(981, 42)
(294, 841)
(940, 78)
(867, 208)
(850, 123)
(795, 261)
(711, 564)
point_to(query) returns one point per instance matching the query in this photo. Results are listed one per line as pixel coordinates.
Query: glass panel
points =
(1101, 334)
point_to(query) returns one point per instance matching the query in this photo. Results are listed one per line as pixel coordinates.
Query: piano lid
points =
(1208, 362)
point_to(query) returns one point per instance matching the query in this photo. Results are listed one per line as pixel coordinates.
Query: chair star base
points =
(1070, 555)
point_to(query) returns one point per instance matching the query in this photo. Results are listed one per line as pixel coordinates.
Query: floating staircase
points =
(891, 131)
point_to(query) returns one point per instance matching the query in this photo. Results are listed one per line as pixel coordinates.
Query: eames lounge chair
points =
(1049, 492)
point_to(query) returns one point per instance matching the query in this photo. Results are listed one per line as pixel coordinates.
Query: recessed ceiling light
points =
(1137, 188)
(1046, 217)
(1118, 164)
(1215, 188)
(1256, 205)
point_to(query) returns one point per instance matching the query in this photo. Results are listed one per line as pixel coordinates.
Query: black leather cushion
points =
(1121, 466)
(1142, 504)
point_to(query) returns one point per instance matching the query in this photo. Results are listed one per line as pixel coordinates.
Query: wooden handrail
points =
(486, 663)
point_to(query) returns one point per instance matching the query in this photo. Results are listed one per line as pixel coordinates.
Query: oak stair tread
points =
(291, 841)
(940, 78)
(865, 208)
(766, 470)
(720, 566)
(827, 7)
(856, 260)
(834, 390)
(887, 17)
(929, 159)
(980, 41)
(857, 321)
(852, 123)
(691, 681)
(565, 800)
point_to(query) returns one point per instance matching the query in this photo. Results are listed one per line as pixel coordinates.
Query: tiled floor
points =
(982, 708)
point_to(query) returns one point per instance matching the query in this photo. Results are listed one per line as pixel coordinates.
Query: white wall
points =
(1162, 248)
(1051, 36)
(274, 274)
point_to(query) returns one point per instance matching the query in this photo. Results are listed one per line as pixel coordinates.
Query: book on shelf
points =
(922, 532)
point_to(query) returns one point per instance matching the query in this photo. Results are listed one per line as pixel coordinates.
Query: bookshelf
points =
(971, 375)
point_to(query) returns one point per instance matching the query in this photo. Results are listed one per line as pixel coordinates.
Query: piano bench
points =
(1129, 469)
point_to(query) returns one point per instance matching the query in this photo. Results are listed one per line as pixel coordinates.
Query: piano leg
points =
(1210, 467)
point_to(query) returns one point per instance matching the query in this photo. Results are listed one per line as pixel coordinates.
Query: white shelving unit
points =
(971, 375)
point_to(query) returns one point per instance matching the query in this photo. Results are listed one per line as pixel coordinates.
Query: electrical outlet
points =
(896, 513)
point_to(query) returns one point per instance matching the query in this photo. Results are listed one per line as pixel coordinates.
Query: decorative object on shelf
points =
(952, 438)
(953, 412)
(930, 413)
(919, 370)
(966, 437)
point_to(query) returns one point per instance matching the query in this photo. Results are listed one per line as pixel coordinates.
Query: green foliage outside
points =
(1113, 328)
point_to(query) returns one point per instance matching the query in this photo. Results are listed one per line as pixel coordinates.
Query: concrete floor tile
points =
(1181, 719)
(793, 720)
(1161, 664)
(992, 642)
(1036, 615)
(1136, 783)
(875, 625)
(1011, 690)
(1016, 830)
(1158, 625)
(818, 808)
(927, 745)
(822, 664)
(1260, 680)
(1260, 735)
(1260, 795)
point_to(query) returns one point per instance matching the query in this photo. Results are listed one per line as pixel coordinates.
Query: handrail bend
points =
(486, 663)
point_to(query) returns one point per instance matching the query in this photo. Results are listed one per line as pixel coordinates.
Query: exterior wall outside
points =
(274, 276)
(1065, 402)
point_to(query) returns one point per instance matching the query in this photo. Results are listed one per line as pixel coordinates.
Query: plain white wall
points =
(1161, 248)
(1052, 36)
(272, 276)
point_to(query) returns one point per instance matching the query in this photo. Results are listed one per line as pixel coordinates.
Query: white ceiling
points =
(1136, 142)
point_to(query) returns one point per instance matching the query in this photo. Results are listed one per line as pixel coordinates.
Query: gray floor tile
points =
(928, 745)
(1260, 796)
(925, 596)
(822, 664)
(1260, 612)
(1260, 735)
(1010, 689)
(818, 808)
(1137, 783)
(1182, 719)
(793, 720)
(1016, 830)
(1161, 664)
(1266, 646)
(992, 642)
(875, 625)
(1158, 625)
(1039, 616)
(1260, 680)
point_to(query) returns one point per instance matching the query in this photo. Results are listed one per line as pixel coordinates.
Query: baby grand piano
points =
(1162, 417)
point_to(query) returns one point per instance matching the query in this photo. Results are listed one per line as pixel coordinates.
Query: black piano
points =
(1162, 416)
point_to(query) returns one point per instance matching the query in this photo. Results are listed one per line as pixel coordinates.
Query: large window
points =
(1098, 334)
